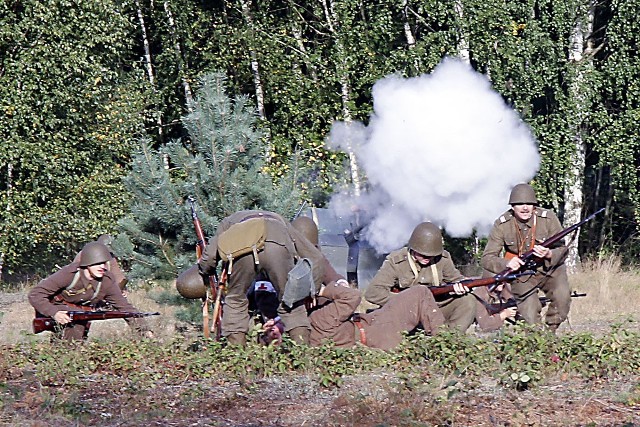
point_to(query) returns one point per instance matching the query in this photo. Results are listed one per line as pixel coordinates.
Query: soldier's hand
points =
(508, 313)
(515, 263)
(460, 289)
(273, 329)
(542, 252)
(62, 317)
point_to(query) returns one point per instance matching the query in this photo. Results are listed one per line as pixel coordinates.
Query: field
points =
(587, 375)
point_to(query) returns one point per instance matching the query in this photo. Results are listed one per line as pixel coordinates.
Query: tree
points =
(220, 164)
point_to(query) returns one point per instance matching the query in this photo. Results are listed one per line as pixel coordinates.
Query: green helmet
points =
(523, 194)
(106, 240)
(190, 284)
(307, 227)
(94, 253)
(426, 239)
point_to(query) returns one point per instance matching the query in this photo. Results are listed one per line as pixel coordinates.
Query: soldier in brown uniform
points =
(486, 321)
(424, 262)
(112, 265)
(88, 283)
(308, 228)
(382, 328)
(283, 247)
(517, 231)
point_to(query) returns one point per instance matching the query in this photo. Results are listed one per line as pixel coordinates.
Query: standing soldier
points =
(253, 242)
(424, 262)
(87, 283)
(517, 231)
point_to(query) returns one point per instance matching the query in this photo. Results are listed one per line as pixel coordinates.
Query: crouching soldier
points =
(83, 284)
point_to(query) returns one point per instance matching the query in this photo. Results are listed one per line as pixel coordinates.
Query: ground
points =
(376, 399)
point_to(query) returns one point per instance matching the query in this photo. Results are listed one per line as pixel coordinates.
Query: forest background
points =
(112, 112)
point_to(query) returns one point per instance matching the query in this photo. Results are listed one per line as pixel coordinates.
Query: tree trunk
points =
(580, 59)
(8, 208)
(463, 43)
(345, 88)
(188, 93)
(255, 70)
(147, 58)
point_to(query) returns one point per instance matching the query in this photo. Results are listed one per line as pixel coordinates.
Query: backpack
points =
(242, 238)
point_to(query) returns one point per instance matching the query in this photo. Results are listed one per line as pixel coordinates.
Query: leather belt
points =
(357, 322)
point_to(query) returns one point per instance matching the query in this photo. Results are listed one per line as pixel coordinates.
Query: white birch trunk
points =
(345, 89)
(147, 57)
(580, 58)
(463, 43)
(8, 207)
(188, 93)
(255, 70)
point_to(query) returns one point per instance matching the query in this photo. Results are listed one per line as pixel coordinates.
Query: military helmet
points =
(523, 194)
(307, 227)
(94, 253)
(190, 284)
(426, 239)
(106, 240)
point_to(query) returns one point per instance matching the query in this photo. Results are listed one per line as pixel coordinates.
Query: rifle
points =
(511, 302)
(529, 258)
(214, 289)
(43, 323)
(473, 283)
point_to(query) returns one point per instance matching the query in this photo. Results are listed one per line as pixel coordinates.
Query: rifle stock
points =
(43, 323)
(529, 256)
(473, 283)
(213, 286)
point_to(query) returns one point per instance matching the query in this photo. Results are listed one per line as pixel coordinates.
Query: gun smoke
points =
(442, 147)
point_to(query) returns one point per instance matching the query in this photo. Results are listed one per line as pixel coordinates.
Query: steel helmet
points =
(307, 227)
(426, 239)
(190, 284)
(523, 194)
(94, 253)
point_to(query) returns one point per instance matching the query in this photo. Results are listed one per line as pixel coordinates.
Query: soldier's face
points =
(97, 271)
(522, 212)
(423, 260)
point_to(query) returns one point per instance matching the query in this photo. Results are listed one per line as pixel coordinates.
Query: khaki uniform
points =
(284, 245)
(85, 292)
(512, 236)
(488, 322)
(381, 328)
(399, 272)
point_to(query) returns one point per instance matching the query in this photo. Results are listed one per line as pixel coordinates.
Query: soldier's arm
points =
(344, 302)
(209, 259)
(450, 273)
(40, 295)
(491, 257)
(379, 289)
(559, 250)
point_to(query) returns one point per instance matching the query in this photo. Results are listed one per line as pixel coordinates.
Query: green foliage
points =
(68, 119)
(220, 165)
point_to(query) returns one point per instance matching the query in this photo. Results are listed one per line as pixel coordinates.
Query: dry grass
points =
(612, 291)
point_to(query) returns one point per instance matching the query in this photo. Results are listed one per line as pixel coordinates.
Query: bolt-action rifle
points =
(215, 287)
(43, 323)
(531, 260)
(473, 283)
(511, 302)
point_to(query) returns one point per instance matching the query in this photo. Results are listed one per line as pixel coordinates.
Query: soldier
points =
(112, 265)
(274, 249)
(335, 320)
(486, 321)
(517, 231)
(87, 283)
(424, 262)
(308, 228)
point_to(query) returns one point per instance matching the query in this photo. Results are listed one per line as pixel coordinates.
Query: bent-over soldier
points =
(86, 283)
(514, 233)
(277, 249)
(424, 262)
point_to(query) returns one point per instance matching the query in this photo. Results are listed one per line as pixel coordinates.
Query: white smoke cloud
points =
(442, 147)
